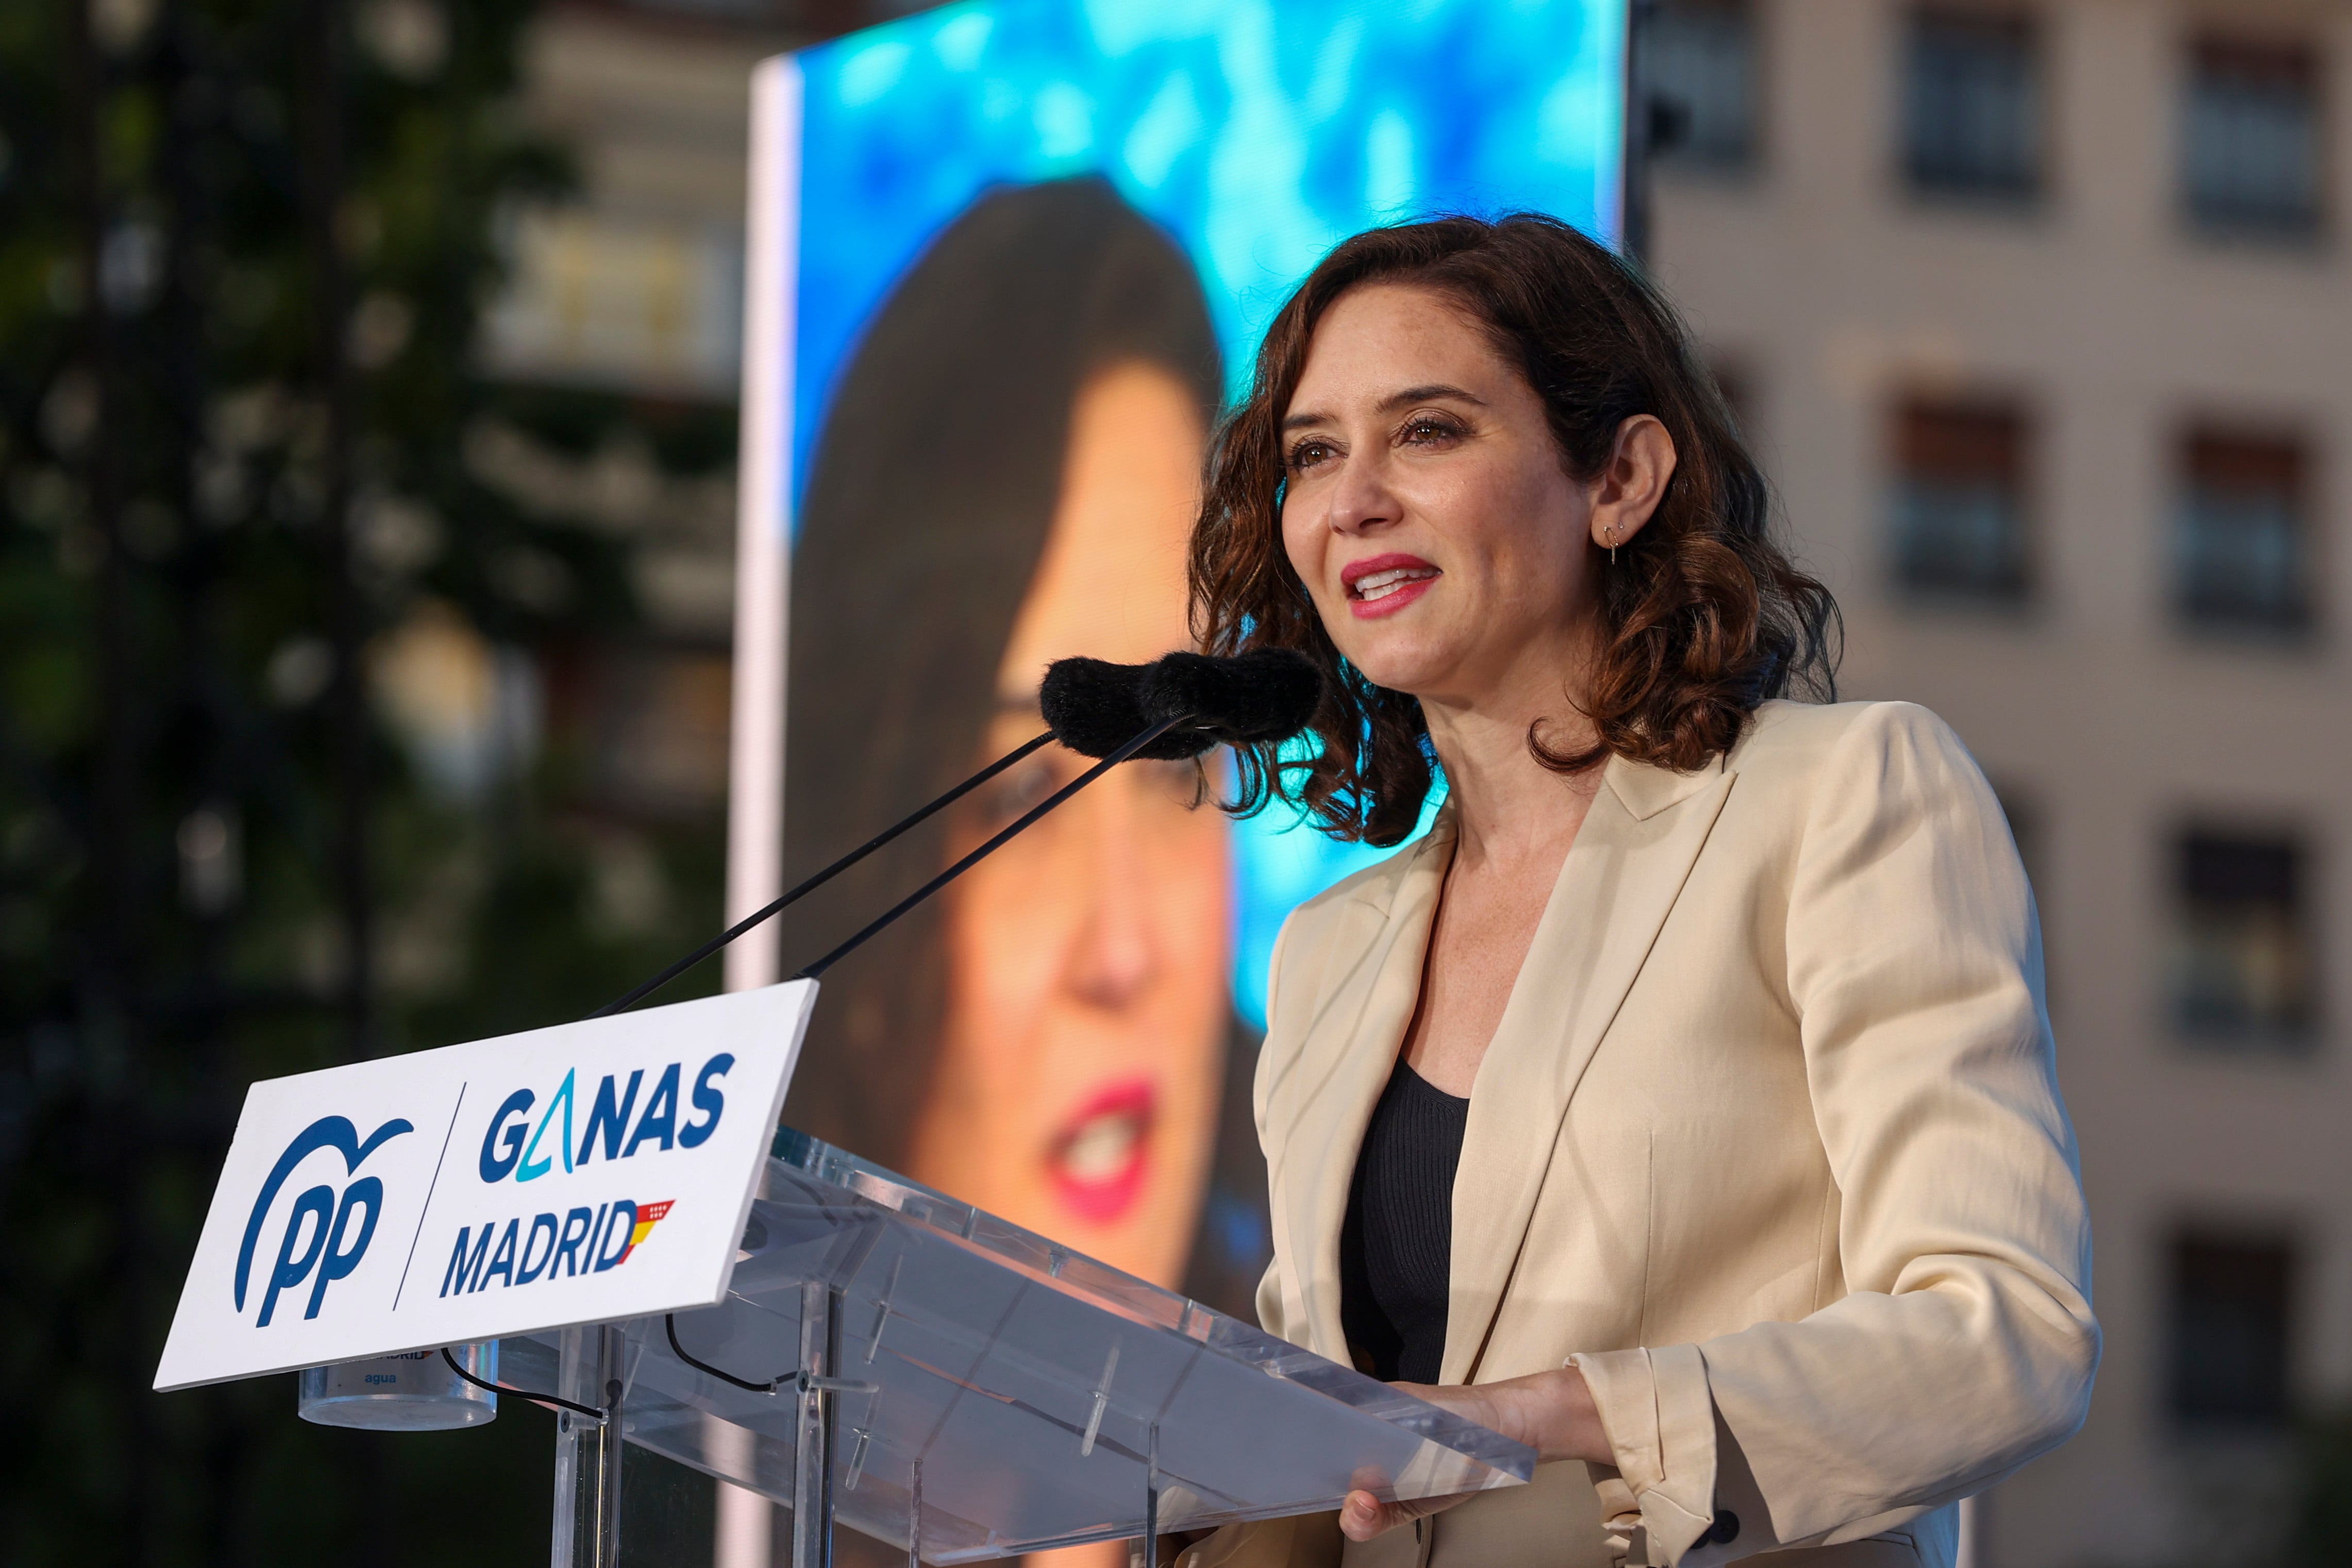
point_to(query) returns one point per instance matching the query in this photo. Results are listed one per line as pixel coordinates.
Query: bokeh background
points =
(367, 453)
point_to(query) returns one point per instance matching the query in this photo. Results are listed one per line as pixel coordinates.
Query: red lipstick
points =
(1383, 584)
(1099, 1160)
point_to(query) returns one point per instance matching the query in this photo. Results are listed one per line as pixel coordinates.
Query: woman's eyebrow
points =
(1424, 394)
(1391, 402)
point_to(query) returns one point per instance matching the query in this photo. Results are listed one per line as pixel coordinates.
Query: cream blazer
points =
(1768, 1143)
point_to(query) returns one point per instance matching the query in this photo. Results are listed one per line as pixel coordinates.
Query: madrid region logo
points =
(679, 1113)
(320, 1244)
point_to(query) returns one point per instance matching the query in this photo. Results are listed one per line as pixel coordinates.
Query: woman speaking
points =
(1682, 1105)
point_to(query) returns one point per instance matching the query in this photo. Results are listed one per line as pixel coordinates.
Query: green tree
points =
(243, 246)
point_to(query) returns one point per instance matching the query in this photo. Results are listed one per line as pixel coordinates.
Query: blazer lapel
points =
(1621, 879)
(1327, 1099)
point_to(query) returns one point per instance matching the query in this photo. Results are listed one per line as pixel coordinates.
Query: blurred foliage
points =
(177, 567)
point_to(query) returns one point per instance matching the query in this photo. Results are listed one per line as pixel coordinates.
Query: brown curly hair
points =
(1703, 618)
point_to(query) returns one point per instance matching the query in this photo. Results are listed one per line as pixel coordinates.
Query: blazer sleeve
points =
(1964, 1344)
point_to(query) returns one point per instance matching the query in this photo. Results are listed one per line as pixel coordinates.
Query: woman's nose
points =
(1360, 498)
(1115, 955)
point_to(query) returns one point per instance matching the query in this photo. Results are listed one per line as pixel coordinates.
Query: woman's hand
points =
(1551, 1412)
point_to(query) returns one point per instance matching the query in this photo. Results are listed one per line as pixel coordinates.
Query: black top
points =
(1396, 1247)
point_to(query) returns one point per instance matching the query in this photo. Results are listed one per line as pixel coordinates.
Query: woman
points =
(1006, 476)
(1682, 1104)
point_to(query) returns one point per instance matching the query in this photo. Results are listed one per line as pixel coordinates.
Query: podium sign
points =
(579, 1173)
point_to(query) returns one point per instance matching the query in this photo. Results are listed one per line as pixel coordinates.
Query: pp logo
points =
(318, 1239)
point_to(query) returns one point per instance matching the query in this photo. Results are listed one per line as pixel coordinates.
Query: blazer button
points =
(1724, 1530)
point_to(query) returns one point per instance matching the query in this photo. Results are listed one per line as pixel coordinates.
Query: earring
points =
(1612, 544)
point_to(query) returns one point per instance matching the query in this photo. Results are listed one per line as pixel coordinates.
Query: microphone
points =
(1095, 707)
(1178, 706)
(1266, 694)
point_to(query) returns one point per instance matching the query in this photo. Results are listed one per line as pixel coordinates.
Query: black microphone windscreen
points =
(1266, 694)
(1093, 708)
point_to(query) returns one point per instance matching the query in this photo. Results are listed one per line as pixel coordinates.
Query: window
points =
(1972, 115)
(2251, 137)
(1959, 502)
(1698, 76)
(2242, 971)
(2241, 553)
(2231, 1329)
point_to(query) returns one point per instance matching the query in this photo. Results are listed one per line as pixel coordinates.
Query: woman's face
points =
(1425, 504)
(1077, 1085)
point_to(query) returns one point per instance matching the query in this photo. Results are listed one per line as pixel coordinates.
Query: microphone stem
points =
(816, 971)
(829, 872)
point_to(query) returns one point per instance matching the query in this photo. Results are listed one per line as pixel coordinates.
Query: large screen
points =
(1009, 260)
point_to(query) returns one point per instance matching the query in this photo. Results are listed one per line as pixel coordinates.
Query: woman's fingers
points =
(1364, 1516)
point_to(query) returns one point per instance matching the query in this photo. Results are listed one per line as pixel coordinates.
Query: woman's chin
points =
(1410, 666)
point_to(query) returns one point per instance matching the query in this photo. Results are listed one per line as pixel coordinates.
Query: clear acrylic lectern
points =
(961, 1389)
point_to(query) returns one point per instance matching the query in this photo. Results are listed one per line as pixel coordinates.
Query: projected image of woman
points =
(1006, 476)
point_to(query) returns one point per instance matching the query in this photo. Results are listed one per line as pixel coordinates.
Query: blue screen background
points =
(1258, 132)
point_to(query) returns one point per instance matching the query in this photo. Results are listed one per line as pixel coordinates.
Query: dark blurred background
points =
(367, 371)
(367, 378)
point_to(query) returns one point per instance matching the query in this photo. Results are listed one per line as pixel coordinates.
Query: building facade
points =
(2038, 314)
(623, 310)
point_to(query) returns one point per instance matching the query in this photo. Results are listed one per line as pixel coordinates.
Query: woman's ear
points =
(1633, 482)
